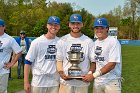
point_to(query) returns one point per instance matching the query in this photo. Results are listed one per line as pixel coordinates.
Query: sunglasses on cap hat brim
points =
(22, 33)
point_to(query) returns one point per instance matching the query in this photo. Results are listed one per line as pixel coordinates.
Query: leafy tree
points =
(88, 23)
(31, 15)
(131, 9)
(40, 28)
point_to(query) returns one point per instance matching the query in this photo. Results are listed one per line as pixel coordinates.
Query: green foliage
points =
(24, 14)
(126, 21)
(39, 28)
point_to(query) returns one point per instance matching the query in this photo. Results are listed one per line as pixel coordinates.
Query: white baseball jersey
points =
(7, 45)
(105, 51)
(64, 45)
(42, 54)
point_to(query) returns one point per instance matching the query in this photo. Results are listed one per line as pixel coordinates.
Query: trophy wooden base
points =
(75, 77)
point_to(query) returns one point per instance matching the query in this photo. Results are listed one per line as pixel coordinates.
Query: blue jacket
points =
(27, 40)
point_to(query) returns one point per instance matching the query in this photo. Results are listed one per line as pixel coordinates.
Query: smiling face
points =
(75, 26)
(53, 28)
(101, 32)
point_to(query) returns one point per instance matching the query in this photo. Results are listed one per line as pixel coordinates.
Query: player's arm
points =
(13, 61)
(16, 57)
(59, 60)
(108, 67)
(27, 68)
(59, 65)
(114, 58)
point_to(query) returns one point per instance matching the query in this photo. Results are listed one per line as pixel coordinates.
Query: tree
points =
(39, 28)
(131, 9)
(87, 23)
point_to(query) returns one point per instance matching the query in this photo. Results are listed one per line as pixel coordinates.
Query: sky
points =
(94, 7)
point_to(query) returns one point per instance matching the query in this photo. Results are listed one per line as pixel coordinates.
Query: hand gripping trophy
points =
(74, 72)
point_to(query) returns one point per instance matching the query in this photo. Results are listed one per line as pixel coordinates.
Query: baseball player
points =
(41, 57)
(7, 45)
(74, 40)
(107, 57)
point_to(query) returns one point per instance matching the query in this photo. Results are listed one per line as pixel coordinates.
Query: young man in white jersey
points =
(7, 45)
(74, 40)
(107, 57)
(41, 58)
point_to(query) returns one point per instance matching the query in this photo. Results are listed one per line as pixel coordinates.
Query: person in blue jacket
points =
(24, 43)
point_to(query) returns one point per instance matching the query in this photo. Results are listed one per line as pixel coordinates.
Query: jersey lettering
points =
(52, 57)
(99, 58)
(1, 50)
(76, 47)
(51, 50)
(98, 52)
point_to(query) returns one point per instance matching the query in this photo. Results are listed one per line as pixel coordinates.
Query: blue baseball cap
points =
(54, 20)
(2, 23)
(101, 22)
(76, 18)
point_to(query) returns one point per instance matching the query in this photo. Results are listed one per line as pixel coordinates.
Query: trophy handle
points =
(67, 57)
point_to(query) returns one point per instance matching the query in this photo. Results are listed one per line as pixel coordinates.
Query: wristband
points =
(97, 74)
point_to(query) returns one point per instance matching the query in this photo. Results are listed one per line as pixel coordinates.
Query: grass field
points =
(130, 72)
(131, 69)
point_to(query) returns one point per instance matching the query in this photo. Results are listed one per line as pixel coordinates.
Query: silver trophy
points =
(74, 72)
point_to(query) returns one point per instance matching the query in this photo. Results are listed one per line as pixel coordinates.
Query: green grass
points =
(15, 84)
(130, 72)
(131, 69)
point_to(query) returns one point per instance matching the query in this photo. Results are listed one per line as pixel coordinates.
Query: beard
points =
(78, 31)
(53, 32)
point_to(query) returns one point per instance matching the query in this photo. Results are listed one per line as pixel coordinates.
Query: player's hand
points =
(63, 75)
(27, 88)
(88, 78)
(8, 65)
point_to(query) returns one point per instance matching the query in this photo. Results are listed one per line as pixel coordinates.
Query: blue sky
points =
(95, 7)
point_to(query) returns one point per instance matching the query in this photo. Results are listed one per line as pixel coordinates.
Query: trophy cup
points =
(74, 72)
